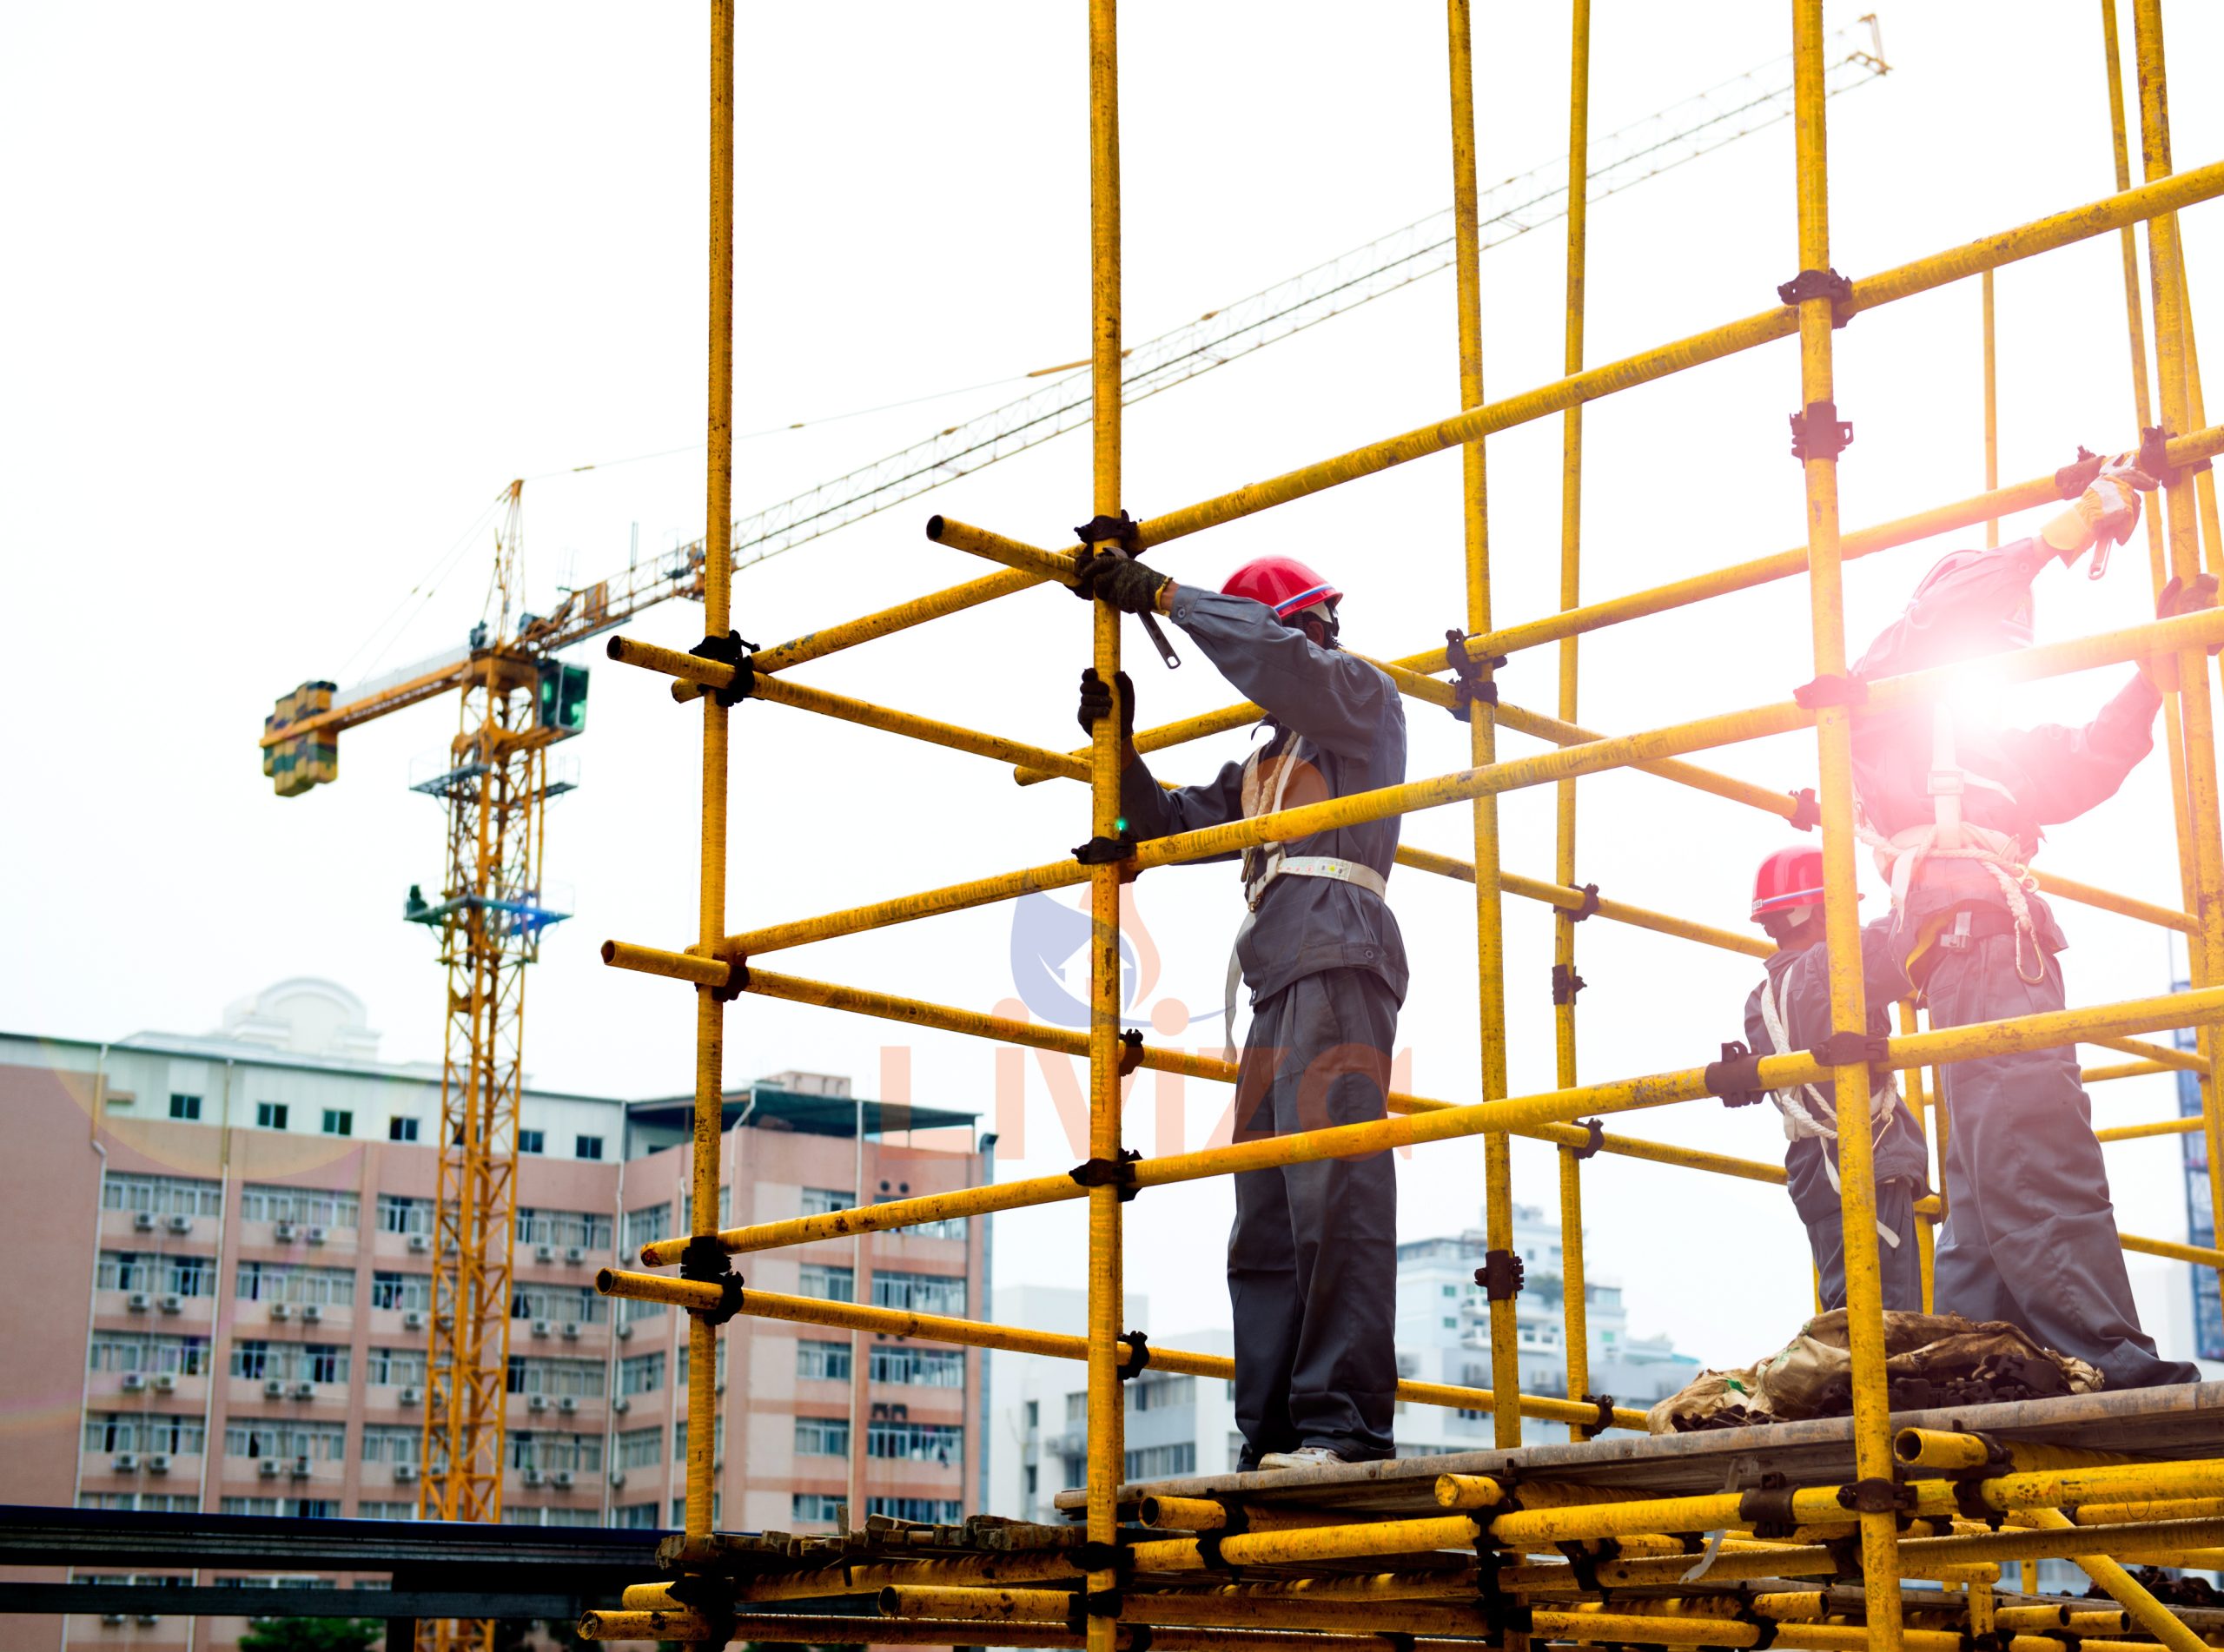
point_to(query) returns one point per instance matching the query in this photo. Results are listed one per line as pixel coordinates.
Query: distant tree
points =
(311, 1634)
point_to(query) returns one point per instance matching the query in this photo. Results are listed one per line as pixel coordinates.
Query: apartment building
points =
(225, 1245)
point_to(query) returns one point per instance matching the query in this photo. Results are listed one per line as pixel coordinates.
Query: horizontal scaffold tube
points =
(1001, 1606)
(2078, 654)
(975, 1333)
(1938, 1047)
(797, 1628)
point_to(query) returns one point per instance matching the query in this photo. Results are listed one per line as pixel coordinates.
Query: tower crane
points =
(516, 700)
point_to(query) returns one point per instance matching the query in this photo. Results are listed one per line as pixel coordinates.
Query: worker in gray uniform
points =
(1312, 1259)
(1791, 1011)
(1953, 804)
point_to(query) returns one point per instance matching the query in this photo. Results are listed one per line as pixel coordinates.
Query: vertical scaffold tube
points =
(2157, 549)
(1926, 1227)
(717, 589)
(1482, 728)
(2195, 711)
(1834, 733)
(1106, 1452)
(1991, 415)
(1574, 1298)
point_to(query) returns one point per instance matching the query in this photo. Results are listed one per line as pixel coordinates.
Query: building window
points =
(679, 1441)
(824, 1201)
(162, 1195)
(640, 1448)
(822, 1436)
(308, 1207)
(1450, 1322)
(635, 1516)
(918, 1293)
(267, 1437)
(815, 1508)
(641, 1374)
(277, 1282)
(534, 1142)
(1034, 1414)
(825, 1361)
(943, 1444)
(395, 1367)
(1155, 1393)
(1157, 1461)
(726, 1207)
(582, 1379)
(679, 1511)
(586, 1148)
(404, 1291)
(270, 1115)
(398, 1215)
(828, 1283)
(928, 1367)
(401, 1130)
(185, 1106)
(570, 1304)
(124, 1270)
(293, 1361)
(143, 1432)
(125, 1350)
(580, 1229)
(556, 1453)
(950, 1227)
(382, 1444)
(189, 1276)
(648, 1225)
(922, 1511)
(367, 1510)
(339, 1122)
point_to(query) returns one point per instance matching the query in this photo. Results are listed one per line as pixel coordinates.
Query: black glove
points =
(1129, 586)
(1096, 703)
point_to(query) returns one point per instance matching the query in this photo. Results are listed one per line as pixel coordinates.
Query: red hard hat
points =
(1284, 584)
(1789, 878)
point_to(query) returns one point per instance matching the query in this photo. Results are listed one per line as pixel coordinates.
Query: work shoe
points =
(1305, 1456)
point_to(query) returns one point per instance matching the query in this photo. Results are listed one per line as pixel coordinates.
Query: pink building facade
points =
(225, 1247)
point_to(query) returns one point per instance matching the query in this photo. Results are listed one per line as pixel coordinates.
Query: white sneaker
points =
(1305, 1456)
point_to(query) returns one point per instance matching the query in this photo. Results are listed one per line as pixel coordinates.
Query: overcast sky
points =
(293, 293)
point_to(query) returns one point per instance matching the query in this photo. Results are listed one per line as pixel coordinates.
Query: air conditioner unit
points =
(273, 1388)
(313, 1312)
(621, 1403)
(413, 1319)
(172, 1304)
(125, 1463)
(413, 1396)
(534, 1476)
(301, 1467)
(134, 1382)
(404, 1472)
(148, 1619)
(305, 1391)
(116, 1619)
(719, 1385)
(624, 1332)
(563, 1479)
(536, 1402)
(618, 1478)
(571, 1331)
(569, 1403)
(159, 1464)
(138, 1302)
(268, 1468)
(284, 1231)
(180, 1223)
(544, 1253)
(165, 1381)
(281, 1311)
(575, 1254)
(142, 1221)
(420, 1243)
(316, 1235)
(540, 1327)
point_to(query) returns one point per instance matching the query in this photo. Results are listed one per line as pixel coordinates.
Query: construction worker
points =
(1791, 1010)
(1312, 1259)
(1954, 803)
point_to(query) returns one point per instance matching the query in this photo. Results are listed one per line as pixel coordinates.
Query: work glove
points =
(2104, 514)
(1096, 703)
(2179, 597)
(1125, 585)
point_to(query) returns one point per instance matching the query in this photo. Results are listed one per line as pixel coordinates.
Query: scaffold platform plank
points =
(2152, 1423)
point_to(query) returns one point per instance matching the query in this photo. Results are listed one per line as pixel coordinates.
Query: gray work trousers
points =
(1313, 1256)
(2030, 1236)
(1899, 1267)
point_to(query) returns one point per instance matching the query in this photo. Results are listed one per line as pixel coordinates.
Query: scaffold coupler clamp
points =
(1119, 532)
(737, 963)
(1768, 1509)
(1819, 283)
(1968, 1484)
(2155, 457)
(1471, 679)
(1110, 1172)
(1604, 1401)
(1501, 1612)
(1139, 1356)
(1736, 1077)
(1566, 983)
(1586, 908)
(1806, 810)
(1235, 1523)
(1589, 1149)
(1872, 1050)
(1818, 432)
(2073, 479)
(730, 649)
(1093, 1556)
(1878, 1496)
(1501, 1275)
(1131, 1050)
(1585, 1556)
(707, 1262)
(1106, 852)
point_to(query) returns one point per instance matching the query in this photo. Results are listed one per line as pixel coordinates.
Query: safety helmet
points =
(2015, 627)
(1284, 584)
(1790, 877)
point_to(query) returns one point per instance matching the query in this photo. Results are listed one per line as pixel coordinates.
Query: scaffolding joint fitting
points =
(737, 963)
(1093, 1556)
(1470, 682)
(2155, 457)
(1590, 1150)
(1765, 1628)
(1102, 530)
(1566, 983)
(1140, 1346)
(1131, 1050)
(1736, 1077)
(1236, 1521)
(1878, 1496)
(1830, 689)
(1501, 1275)
(1102, 1603)
(1872, 1050)
(707, 1262)
(1583, 1561)
(1806, 810)
(730, 649)
(1605, 1404)
(2073, 479)
(1110, 1172)
(1819, 283)
(1106, 852)
(1818, 432)
(1768, 1509)
(1588, 906)
(1501, 1614)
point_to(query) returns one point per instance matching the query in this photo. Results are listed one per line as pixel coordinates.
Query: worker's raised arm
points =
(1152, 810)
(2072, 770)
(1340, 703)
